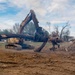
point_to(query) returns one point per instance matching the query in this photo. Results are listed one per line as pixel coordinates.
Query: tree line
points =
(64, 33)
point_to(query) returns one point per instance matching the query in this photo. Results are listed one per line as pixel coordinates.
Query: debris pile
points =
(71, 47)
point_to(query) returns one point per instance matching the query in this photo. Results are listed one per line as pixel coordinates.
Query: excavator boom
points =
(29, 17)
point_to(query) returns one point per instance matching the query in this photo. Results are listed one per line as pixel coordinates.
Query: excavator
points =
(16, 40)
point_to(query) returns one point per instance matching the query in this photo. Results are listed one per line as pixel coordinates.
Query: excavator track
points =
(13, 46)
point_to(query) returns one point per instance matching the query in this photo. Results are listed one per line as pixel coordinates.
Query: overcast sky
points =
(57, 12)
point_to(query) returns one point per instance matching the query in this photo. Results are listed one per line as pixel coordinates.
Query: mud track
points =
(33, 63)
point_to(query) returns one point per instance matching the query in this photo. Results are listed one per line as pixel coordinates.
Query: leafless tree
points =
(66, 35)
(48, 23)
(15, 28)
(63, 28)
(63, 33)
(56, 30)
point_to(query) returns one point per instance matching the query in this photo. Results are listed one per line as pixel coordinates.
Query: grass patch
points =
(2, 45)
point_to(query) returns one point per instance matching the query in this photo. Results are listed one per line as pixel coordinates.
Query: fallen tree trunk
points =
(6, 36)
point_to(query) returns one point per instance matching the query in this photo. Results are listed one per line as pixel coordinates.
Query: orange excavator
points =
(16, 40)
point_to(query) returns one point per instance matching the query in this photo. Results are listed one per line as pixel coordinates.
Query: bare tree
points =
(62, 30)
(66, 35)
(63, 33)
(48, 23)
(15, 28)
(28, 29)
(55, 33)
(56, 30)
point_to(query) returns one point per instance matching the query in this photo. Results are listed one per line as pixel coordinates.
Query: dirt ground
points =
(28, 62)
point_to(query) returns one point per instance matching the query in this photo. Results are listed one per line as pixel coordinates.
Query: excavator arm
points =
(39, 32)
(39, 35)
(29, 17)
